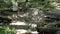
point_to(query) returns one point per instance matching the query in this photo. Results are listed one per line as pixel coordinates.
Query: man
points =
(15, 8)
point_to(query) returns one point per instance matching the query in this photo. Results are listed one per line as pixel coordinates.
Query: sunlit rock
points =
(21, 31)
(33, 25)
(18, 23)
(34, 32)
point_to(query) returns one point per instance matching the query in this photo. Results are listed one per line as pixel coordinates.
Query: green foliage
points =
(4, 4)
(1, 1)
(46, 5)
(6, 30)
(41, 4)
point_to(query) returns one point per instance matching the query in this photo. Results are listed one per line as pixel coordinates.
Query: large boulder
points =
(42, 30)
(52, 15)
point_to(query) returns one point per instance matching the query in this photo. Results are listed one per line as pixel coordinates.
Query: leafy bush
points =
(4, 26)
(6, 30)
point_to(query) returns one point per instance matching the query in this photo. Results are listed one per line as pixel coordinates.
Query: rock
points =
(42, 30)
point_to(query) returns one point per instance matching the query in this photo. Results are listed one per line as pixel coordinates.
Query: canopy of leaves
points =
(41, 4)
